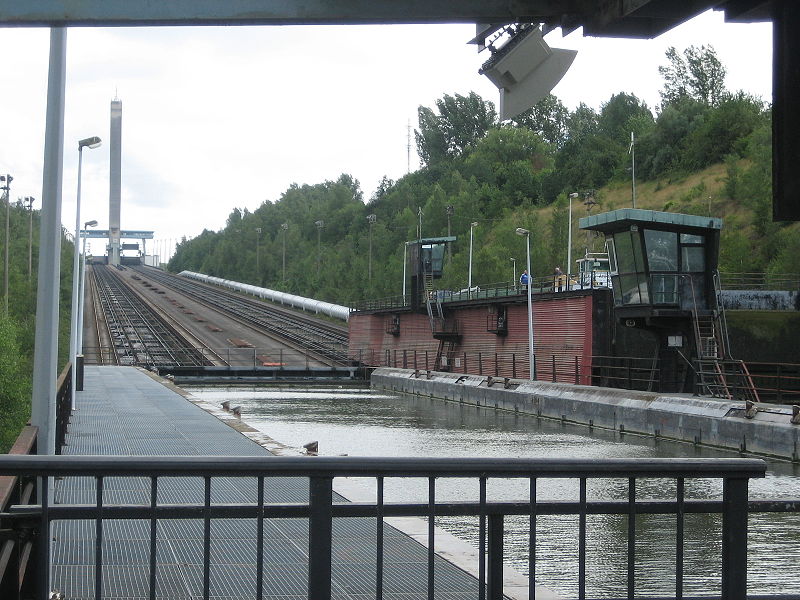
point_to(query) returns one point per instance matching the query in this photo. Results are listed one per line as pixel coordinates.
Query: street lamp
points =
(29, 200)
(7, 187)
(531, 356)
(569, 237)
(92, 142)
(371, 220)
(514, 270)
(450, 210)
(469, 277)
(258, 252)
(79, 345)
(284, 227)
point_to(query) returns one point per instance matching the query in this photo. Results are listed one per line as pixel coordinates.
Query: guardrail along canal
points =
(364, 423)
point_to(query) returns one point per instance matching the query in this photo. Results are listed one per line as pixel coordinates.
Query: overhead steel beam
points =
(279, 12)
(785, 118)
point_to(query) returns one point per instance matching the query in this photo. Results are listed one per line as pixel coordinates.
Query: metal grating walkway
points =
(123, 411)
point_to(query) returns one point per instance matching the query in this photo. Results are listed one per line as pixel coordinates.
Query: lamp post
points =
(29, 200)
(569, 237)
(7, 179)
(469, 276)
(513, 270)
(284, 227)
(450, 210)
(258, 258)
(531, 356)
(371, 220)
(320, 224)
(92, 142)
(81, 292)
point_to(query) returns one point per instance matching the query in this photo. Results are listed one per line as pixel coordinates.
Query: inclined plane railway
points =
(131, 332)
(130, 329)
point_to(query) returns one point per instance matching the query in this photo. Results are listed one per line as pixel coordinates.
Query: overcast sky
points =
(217, 118)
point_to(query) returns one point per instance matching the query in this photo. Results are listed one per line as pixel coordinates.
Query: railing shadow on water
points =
(322, 507)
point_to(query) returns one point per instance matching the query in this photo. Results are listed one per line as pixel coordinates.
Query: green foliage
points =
(17, 330)
(698, 75)
(501, 176)
(15, 384)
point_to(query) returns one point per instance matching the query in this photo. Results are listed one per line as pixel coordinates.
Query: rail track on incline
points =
(131, 332)
(325, 340)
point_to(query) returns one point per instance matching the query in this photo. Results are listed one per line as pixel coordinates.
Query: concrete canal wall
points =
(698, 420)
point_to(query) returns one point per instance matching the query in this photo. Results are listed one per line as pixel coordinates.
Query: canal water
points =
(361, 422)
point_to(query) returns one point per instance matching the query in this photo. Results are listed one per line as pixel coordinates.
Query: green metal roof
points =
(623, 218)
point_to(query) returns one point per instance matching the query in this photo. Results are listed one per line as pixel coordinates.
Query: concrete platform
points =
(128, 411)
(700, 420)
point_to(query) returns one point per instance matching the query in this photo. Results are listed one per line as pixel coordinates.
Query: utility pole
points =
(258, 261)
(632, 152)
(419, 228)
(284, 227)
(29, 200)
(320, 224)
(371, 220)
(7, 187)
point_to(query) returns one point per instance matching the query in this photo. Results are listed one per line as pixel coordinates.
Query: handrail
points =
(323, 506)
(15, 553)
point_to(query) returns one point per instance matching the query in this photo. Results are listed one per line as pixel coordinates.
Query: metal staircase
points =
(718, 374)
(444, 330)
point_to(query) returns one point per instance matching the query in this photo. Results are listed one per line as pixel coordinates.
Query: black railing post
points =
(555, 376)
(734, 539)
(320, 533)
(494, 575)
(496, 366)
(480, 364)
(577, 376)
(78, 375)
(514, 365)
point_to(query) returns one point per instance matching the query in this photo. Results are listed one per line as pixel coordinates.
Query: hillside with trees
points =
(17, 327)
(704, 150)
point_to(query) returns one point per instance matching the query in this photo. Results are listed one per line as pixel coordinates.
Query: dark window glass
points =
(662, 250)
(693, 259)
(624, 252)
(690, 238)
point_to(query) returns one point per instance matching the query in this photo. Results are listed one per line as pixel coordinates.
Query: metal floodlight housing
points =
(521, 231)
(91, 223)
(91, 142)
(475, 224)
(525, 69)
(573, 195)
(284, 226)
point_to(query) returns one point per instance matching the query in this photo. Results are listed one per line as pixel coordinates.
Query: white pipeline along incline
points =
(326, 341)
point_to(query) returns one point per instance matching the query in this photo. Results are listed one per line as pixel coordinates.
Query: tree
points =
(698, 75)
(461, 121)
(548, 118)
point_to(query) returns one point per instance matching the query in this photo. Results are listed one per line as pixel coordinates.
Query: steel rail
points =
(325, 341)
(148, 339)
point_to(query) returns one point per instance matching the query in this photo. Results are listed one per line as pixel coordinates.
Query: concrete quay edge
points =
(698, 420)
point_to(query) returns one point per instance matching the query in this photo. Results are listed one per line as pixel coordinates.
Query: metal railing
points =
(759, 281)
(243, 356)
(15, 550)
(540, 285)
(773, 382)
(321, 508)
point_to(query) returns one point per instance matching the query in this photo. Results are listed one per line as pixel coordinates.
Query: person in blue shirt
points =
(524, 279)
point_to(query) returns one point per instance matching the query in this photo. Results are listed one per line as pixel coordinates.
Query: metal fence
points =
(778, 383)
(35, 520)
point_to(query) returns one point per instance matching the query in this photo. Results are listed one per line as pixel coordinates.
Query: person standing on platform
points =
(524, 280)
(558, 279)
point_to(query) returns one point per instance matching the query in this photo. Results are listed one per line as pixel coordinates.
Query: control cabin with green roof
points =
(663, 270)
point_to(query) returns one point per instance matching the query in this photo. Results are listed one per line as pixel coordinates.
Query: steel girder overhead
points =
(612, 18)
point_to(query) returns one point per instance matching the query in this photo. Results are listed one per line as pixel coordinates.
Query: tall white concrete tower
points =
(115, 183)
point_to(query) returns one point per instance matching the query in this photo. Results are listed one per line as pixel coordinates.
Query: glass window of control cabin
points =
(630, 282)
(693, 258)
